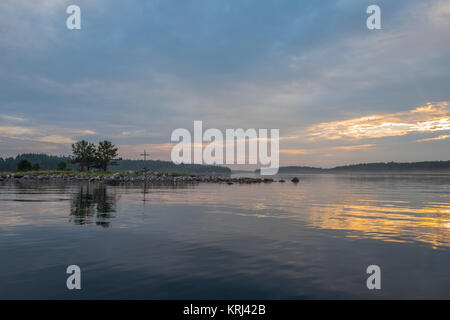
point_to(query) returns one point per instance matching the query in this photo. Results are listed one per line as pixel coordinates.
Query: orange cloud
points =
(322, 150)
(352, 148)
(429, 118)
(441, 137)
(54, 139)
(294, 151)
(88, 132)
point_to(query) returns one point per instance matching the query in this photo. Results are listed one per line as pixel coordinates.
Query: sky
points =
(137, 70)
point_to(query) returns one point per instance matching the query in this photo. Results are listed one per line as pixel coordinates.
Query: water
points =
(309, 240)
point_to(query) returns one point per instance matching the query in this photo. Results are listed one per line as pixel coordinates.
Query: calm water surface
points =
(215, 241)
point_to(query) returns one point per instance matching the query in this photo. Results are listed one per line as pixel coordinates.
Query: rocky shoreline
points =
(119, 179)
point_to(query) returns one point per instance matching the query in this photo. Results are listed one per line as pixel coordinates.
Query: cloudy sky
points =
(137, 70)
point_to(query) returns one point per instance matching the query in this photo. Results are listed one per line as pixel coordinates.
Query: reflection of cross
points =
(145, 191)
(145, 154)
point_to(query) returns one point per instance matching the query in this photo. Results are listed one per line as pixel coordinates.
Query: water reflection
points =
(265, 241)
(403, 209)
(93, 203)
(393, 222)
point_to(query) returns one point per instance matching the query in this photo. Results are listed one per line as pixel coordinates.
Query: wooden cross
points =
(145, 154)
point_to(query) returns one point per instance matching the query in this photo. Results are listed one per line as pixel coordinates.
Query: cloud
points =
(10, 118)
(137, 71)
(295, 151)
(52, 139)
(429, 118)
(441, 137)
(43, 134)
(353, 148)
(16, 130)
(439, 13)
(327, 149)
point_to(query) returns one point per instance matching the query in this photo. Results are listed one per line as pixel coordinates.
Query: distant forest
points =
(396, 166)
(48, 162)
(373, 167)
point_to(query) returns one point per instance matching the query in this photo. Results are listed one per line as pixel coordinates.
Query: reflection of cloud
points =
(395, 221)
(428, 118)
(441, 137)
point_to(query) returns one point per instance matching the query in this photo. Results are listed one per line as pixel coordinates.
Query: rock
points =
(295, 180)
(147, 177)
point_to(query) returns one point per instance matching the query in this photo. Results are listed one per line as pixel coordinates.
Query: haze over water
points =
(314, 239)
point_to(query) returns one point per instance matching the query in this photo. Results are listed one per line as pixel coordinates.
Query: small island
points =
(92, 163)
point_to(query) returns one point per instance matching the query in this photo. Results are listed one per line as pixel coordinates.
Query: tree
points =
(62, 166)
(105, 155)
(24, 165)
(36, 167)
(83, 154)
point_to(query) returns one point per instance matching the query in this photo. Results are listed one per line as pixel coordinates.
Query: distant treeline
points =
(373, 167)
(396, 166)
(49, 162)
(45, 162)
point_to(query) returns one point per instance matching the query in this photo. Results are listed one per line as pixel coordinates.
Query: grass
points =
(181, 174)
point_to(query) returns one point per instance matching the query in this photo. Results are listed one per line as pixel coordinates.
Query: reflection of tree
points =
(33, 187)
(93, 203)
